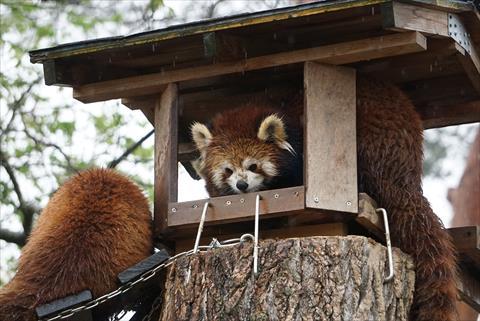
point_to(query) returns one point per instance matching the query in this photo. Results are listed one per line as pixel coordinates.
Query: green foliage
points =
(45, 135)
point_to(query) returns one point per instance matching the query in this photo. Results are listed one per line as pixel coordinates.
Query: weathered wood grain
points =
(317, 278)
(165, 182)
(341, 53)
(330, 138)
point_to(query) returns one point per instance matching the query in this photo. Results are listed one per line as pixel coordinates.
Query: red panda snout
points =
(248, 175)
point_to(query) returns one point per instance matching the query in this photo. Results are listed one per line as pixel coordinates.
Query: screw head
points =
(276, 195)
(315, 199)
(194, 206)
(228, 203)
(348, 203)
(174, 209)
(242, 200)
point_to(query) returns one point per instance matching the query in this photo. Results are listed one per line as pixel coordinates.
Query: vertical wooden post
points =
(166, 168)
(330, 138)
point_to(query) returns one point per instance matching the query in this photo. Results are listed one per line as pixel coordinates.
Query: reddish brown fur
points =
(390, 156)
(389, 139)
(96, 225)
(235, 140)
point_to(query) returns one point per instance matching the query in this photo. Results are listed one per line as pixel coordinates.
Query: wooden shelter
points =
(181, 74)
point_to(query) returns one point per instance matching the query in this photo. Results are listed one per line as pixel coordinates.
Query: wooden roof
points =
(410, 43)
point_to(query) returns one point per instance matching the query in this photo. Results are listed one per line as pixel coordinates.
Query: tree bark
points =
(316, 278)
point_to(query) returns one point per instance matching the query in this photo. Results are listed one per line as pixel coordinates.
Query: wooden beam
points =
(467, 243)
(440, 116)
(469, 288)
(71, 301)
(54, 74)
(330, 157)
(471, 68)
(234, 208)
(166, 170)
(147, 106)
(368, 217)
(328, 229)
(342, 53)
(402, 16)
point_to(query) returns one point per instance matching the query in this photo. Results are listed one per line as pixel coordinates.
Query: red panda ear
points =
(201, 135)
(272, 129)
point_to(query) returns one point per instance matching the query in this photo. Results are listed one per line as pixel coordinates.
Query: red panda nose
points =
(242, 185)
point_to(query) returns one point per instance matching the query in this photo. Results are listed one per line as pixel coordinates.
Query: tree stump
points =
(315, 278)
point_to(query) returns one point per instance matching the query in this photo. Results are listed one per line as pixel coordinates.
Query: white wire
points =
(255, 245)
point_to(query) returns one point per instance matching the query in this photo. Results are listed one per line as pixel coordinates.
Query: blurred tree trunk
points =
(465, 201)
(464, 198)
(316, 278)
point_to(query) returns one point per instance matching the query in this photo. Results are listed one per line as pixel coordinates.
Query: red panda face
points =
(245, 151)
(240, 166)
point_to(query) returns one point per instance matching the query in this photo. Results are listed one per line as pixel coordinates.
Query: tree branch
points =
(13, 237)
(48, 144)
(13, 178)
(130, 150)
(27, 210)
(15, 105)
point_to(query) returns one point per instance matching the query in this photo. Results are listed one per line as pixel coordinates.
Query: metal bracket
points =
(457, 32)
(390, 275)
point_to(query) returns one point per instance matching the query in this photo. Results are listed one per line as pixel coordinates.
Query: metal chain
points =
(143, 278)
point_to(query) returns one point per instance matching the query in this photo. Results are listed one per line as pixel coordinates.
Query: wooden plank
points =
(368, 217)
(328, 229)
(440, 116)
(468, 63)
(178, 31)
(467, 243)
(145, 104)
(330, 157)
(235, 208)
(401, 16)
(54, 74)
(469, 288)
(166, 170)
(143, 266)
(342, 53)
(71, 301)
(466, 237)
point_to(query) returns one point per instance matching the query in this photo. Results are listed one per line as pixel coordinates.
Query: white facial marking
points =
(269, 168)
(252, 178)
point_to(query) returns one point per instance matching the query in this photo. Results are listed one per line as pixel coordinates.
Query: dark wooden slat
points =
(55, 307)
(326, 229)
(467, 243)
(469, 288)
(234, 208)
(141, 267)
(440, 116)
(402, 16)
(368, 217)
(341, 53)
(469, 64)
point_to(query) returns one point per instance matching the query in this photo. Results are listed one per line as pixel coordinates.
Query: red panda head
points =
(246, 150)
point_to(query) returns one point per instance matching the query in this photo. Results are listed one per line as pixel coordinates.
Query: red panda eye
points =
(252, 167)
(228, 171)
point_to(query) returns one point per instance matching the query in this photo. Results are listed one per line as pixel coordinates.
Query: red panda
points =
(389, 143)
(255, 147)
(96, 225)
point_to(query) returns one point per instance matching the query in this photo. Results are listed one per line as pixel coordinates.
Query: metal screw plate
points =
(457, 31)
